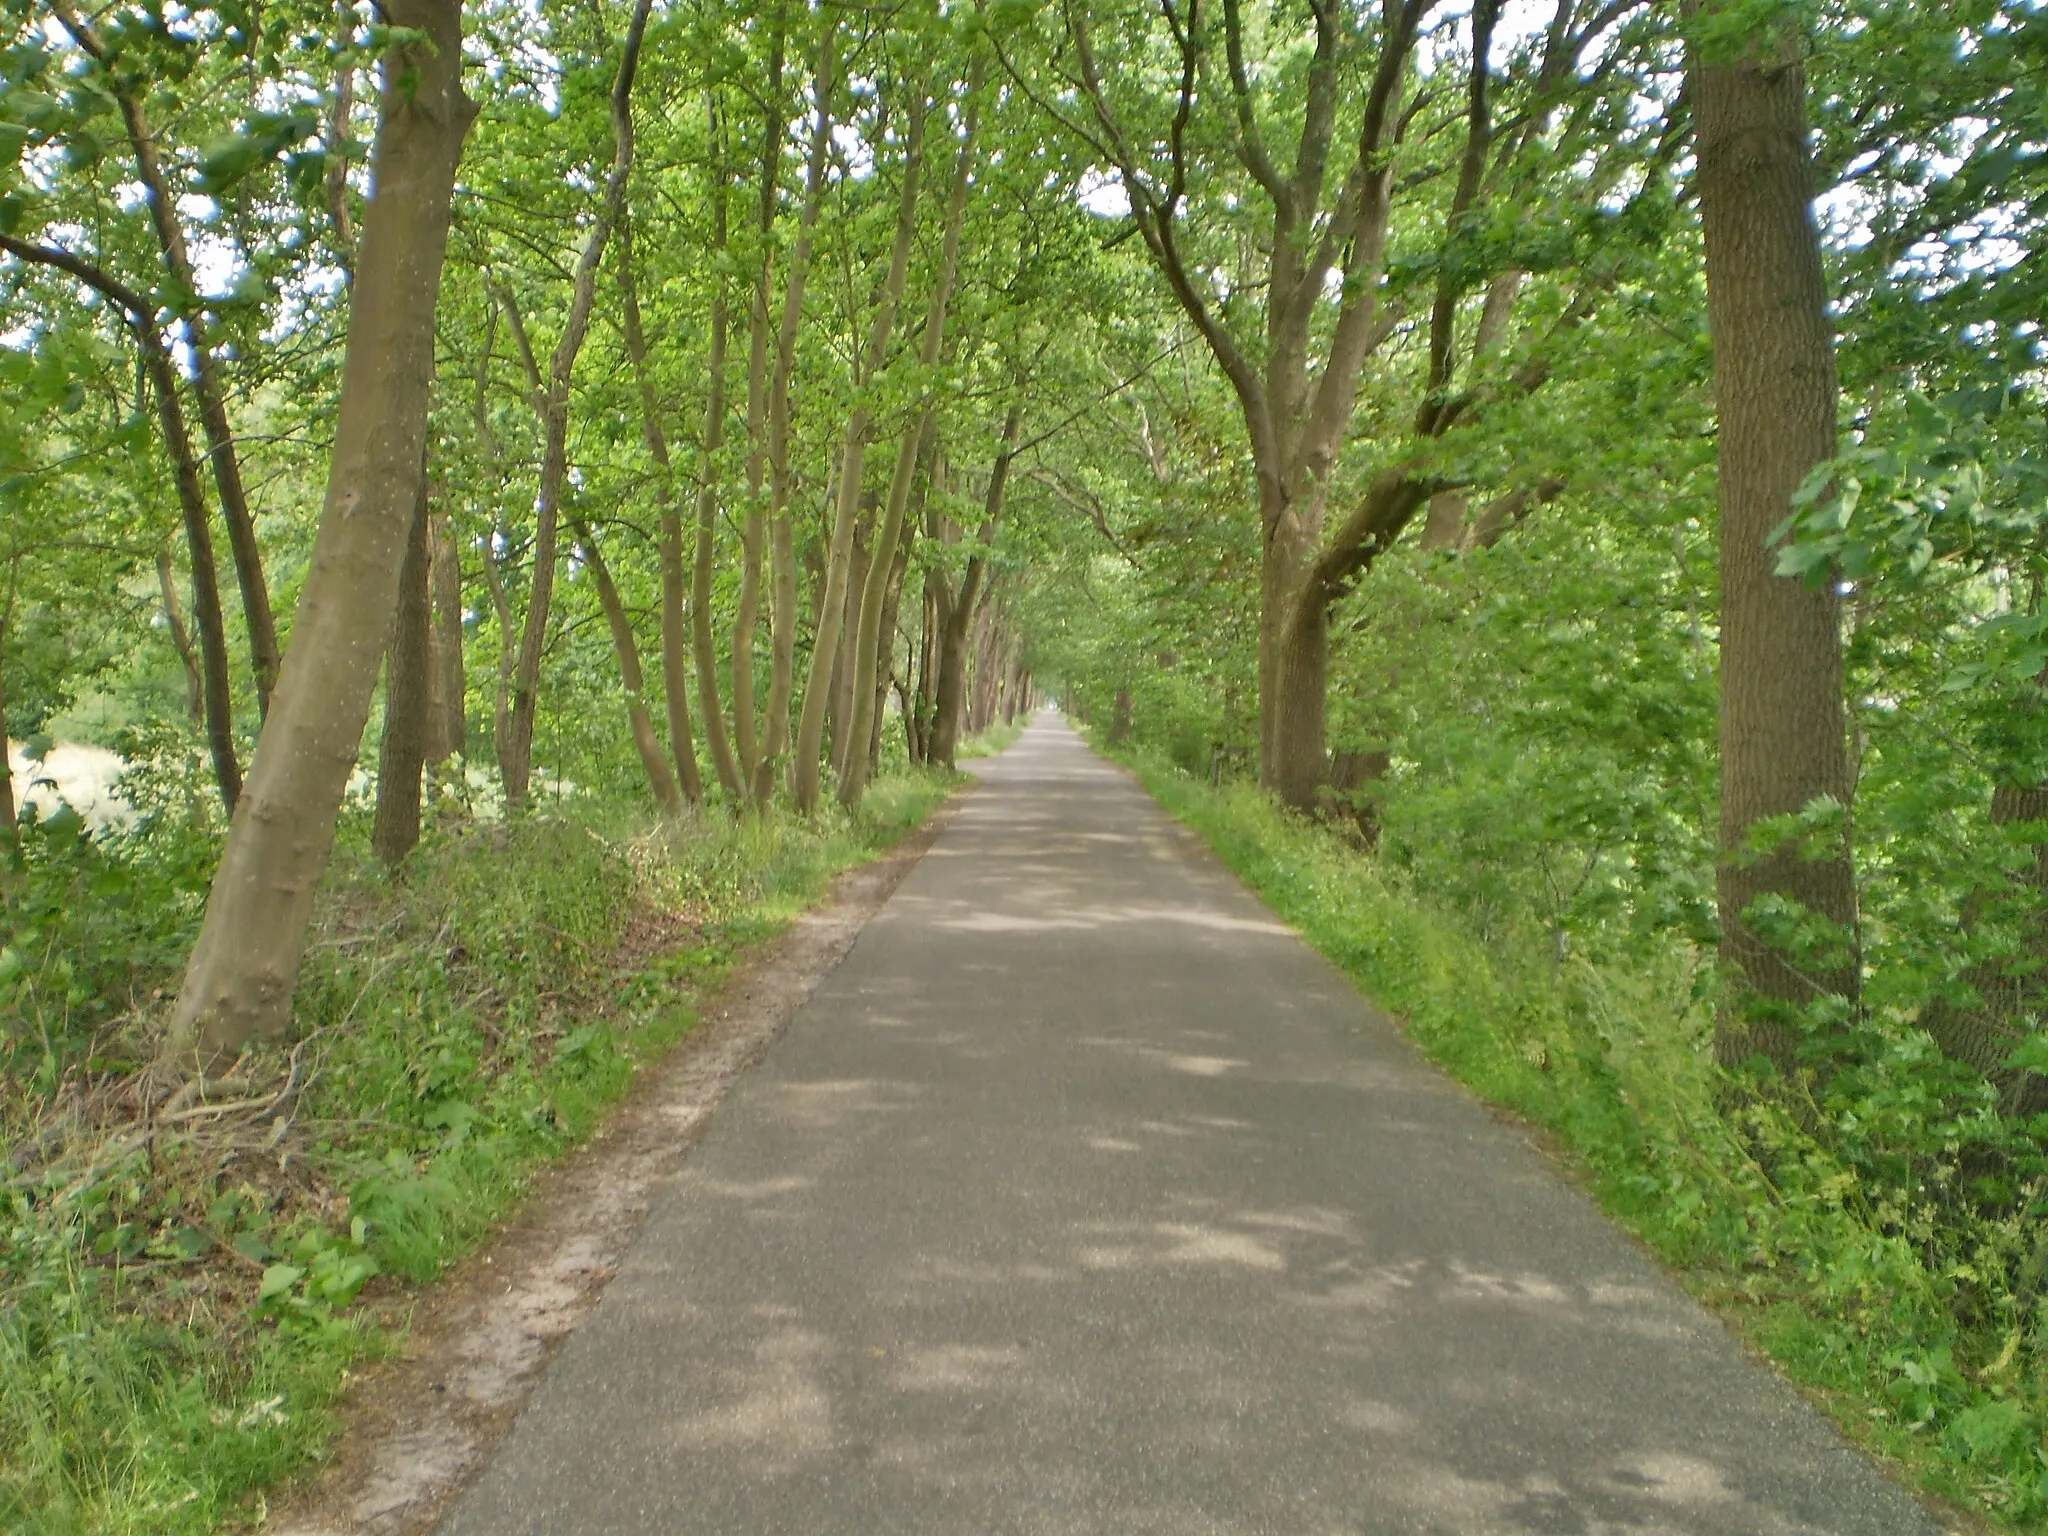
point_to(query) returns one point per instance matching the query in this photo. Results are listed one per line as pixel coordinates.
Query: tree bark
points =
(781, 537)
(661, 781)
(807, 770)
(703, 637)
(448, 733)
(222, 454)
(675, 672)
(870, 634)
(551, 402)
(1783, 738)
(181, 637)
(960, 613)
(243, 970)
(402, 752)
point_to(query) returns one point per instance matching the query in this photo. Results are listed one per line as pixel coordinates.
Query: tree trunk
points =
(703, 638)
(661, 781)
(1783, 742)
(870, 636)
(239, 983)
(10, 815)
(958, 620)
(841, 732)
(675, 677)
(781, 538)
(551, 400)
(448, 721)
(753, 527)
(161, 200)
(806, 771)
(402, 753)
(181, 637)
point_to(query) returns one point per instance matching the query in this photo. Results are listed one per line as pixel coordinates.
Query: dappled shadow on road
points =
(1082, 1199)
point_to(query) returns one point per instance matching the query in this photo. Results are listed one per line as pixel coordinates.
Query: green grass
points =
(176, 1322)
(1884, 1321)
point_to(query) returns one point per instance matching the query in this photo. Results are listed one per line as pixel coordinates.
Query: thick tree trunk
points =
(402, 753)
(448, 723)
(806, 772)
(239, 983)
(1783, 742)
(661, 781)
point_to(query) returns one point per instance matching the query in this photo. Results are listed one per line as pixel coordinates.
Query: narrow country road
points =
(1084, 1198)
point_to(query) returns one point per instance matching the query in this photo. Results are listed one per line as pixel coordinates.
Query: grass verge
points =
(180, 1298)
(1773, 1228)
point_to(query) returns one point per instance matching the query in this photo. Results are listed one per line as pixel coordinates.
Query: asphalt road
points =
(1084, 1198)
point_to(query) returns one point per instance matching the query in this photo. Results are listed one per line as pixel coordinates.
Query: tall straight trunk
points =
(239, 983)
(703, 638)
(959, 619)
(806, 775)
(781, 538)
(1783, 739)
(884, 665)
(402, 752)
(181, 637)
(448, 731)
(551, 399)
(842, 722)
(661, 780)
(10, 815)
(753, 527)
(675, 678)
(869, 636)
(222, 455)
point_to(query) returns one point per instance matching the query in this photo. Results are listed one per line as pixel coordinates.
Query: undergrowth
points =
(1886, 1243)
(181, 1297)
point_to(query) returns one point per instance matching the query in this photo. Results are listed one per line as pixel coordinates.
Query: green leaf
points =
(278, 1279)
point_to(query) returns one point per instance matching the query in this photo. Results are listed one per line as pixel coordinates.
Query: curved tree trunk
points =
(661, 781)
(239, 983)
(1783, 738)
(551, 402)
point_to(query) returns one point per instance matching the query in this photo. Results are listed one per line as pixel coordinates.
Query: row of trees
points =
(749, 234)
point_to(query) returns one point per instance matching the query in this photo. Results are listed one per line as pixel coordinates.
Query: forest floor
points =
(1083, 1196)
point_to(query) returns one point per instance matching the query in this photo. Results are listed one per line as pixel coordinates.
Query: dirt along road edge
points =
(418, 1428)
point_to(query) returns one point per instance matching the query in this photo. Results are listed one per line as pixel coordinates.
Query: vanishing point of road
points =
(1082, 1199)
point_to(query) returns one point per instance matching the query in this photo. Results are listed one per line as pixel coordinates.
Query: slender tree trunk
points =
(675, 679)
(161, 199)
(754, 526)
(10, 814)
(960, 613)
(842, 722)
(870, 635)
(239, 983)
(1783, 741)
(853, 449)
(181, 637)
(551, 397)
(703, 637)
(661, 780)
(449, 735)
(402, 753)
